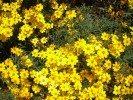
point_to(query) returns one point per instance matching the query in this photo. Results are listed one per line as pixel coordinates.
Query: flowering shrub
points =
(50, 58)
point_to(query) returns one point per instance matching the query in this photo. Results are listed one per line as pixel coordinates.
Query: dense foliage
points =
(66, 50)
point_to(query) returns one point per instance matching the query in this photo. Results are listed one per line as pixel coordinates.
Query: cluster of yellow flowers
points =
(31, 18)
(61, 76)
(130, 3)
(84, 70)
(59, 10)
(8, 18)
(35, 17)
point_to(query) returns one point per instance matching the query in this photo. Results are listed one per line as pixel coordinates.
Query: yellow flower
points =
(54, 5)
(124, 24)
(36, 80)
(91, 61)
(77, 85)
(117, 90)
(21, 37)
(36, 88)
(12, 68)
(1, 3)
(130, 4)
(13, 73)
(43, 80)
(42, 54)
(9, 62)
(103, 53)
(98, 71)
(105, 36)
(58, 13)
(70, 14)
(34, 41)
(39, 7)
(28, 63)
(131, 28)
(116, 67)
(119, 47)
(77, 45)
(112, 13)
(54, 92)
(3, 38)
(72, 60)
(131, 90)
(15, 80)
(92, 91)
(110, 9)
(24, 74)
(127, 41)
(40, 18)
(128, 80)
(8, 32)
(125, 90)
(15, 90)
(33, 73)
(35, 53)
(75, 77)
(83, 95)
(61, 61)
(6, 7)
(51, 59)
(26, 30)
(2, 67)
(65, 87)
(105, 77)
(5, 74)
(88, 49)
(17, 51)
(14, 6)
(116, 49)
(114, 38)
(44, 40)
(63, 6)
(97, 45)
(44, 71)
(107, 64)
(24, 92)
